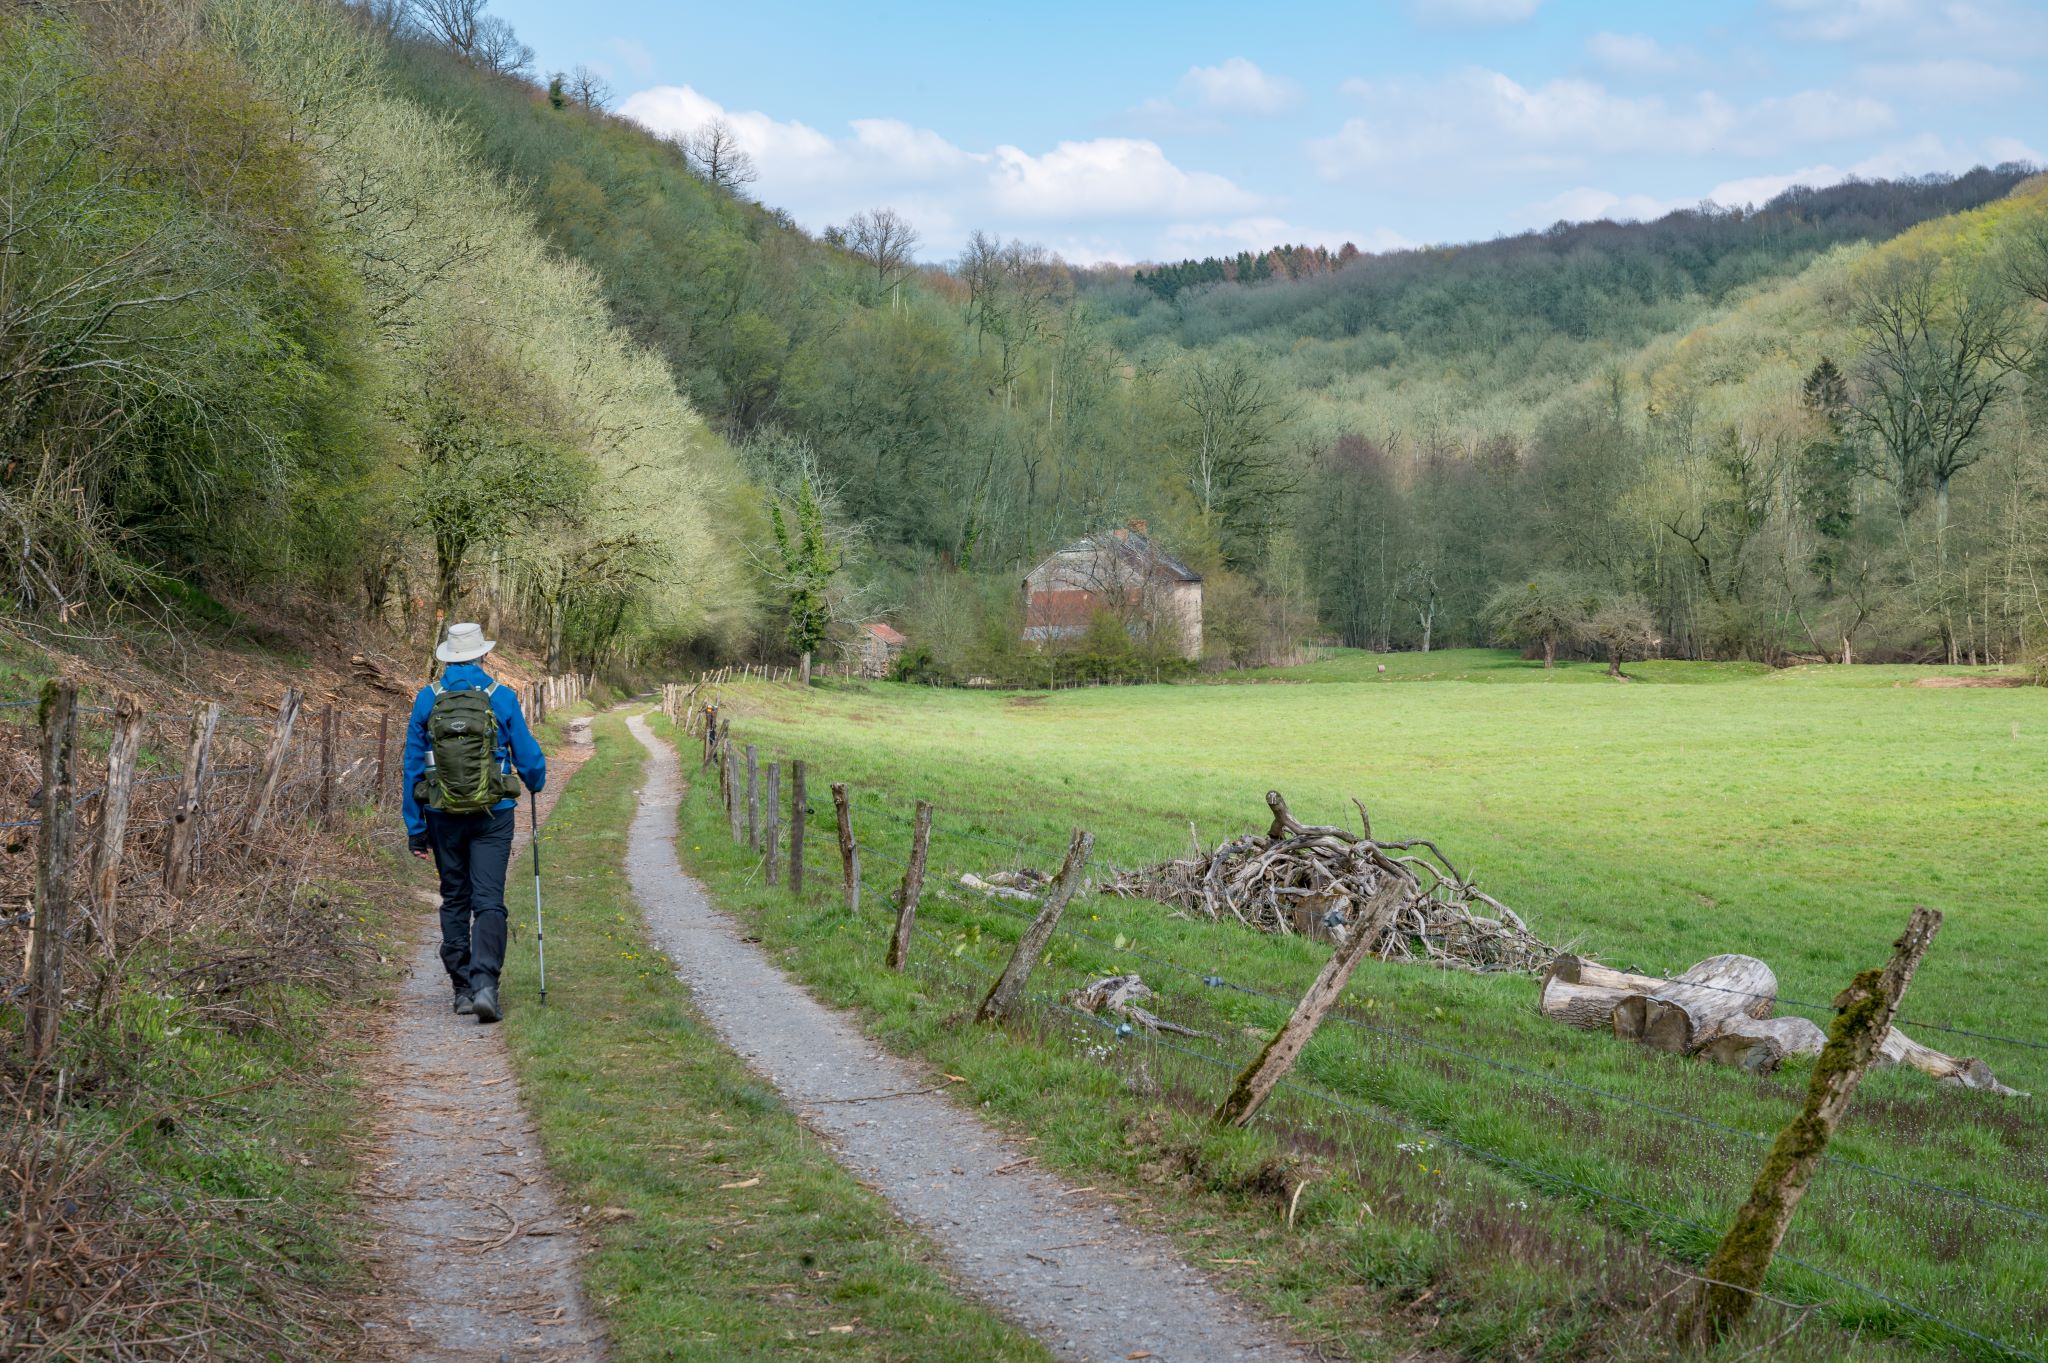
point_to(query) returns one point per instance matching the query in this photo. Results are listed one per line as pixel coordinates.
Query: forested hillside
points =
(391, 317)
(270, 328)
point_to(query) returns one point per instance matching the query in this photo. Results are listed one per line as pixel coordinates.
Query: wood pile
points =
(1313, 880)
(1720, 1010)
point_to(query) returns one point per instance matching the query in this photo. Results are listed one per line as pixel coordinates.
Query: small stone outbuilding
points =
(876, 646)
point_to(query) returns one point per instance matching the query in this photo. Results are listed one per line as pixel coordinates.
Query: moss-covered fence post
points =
(1863, 1018)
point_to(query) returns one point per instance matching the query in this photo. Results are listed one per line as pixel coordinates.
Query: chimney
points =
(1137, 524)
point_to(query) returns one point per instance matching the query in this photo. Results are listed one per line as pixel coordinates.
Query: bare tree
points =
(477, 37)
(884, 239)
(714, 152)
(587, 88)
(498, 48)
(454, 22)
(1938, 348)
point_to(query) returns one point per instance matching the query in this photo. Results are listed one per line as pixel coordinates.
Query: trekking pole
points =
(540, 936)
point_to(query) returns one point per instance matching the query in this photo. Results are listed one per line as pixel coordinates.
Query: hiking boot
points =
(465, 1004)
(485, 1004)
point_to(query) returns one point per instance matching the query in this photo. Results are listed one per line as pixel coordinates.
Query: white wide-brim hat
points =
(465, 643)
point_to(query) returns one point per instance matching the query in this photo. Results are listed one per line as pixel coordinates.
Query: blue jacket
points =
(516, 745)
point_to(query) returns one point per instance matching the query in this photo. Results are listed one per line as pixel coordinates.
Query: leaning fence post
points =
(849, 850)
(273, 762)
(179, 847)
(1863, 1018)
(1264, 1074)
(796, 828)
(44, 1005)
(753, 800)
(326, 765)
(1009, 988)
(113, 827)
(913, 886)
(771, 828)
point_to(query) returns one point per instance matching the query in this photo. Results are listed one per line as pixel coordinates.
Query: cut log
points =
(1965, 1072)
(1720, 1010)
(1760, 1045)
(1582, 993)
(1693, 1008)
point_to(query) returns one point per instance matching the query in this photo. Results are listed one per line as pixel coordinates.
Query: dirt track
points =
(477, 1258)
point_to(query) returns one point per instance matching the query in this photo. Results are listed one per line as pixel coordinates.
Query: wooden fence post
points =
(734, 813)
(383, 745)
(1009, 988)
(1264, 1074)
(112, 834)
(1727, 1287)
(796, 828)
(913, 886)
(849, 850)
(273, 762)
(44, 1007)
(771, 829)
(710, 734)
(326, 765)
(753, 800)
(183, 841)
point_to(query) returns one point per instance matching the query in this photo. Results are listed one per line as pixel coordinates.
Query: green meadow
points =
(1793, 815)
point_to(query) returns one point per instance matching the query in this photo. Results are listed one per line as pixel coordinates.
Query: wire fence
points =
(970, 975)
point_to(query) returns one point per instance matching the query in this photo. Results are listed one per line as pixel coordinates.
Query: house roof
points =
(1133, 546)
(886, 633)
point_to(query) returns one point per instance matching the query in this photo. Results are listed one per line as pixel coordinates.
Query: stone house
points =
(1121, 571)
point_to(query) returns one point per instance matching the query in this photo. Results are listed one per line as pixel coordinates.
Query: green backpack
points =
(463, 775)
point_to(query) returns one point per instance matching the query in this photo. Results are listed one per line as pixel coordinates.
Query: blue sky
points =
(1145, 132)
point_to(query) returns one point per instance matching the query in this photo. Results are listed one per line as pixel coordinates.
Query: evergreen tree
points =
(808, 563)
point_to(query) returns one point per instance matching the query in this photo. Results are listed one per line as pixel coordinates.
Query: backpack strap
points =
(438, 689)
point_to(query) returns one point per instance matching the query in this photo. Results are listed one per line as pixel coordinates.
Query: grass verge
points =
(724, 1229)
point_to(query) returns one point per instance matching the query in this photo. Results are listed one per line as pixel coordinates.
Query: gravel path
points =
(1063, 1265)
(477, 1261)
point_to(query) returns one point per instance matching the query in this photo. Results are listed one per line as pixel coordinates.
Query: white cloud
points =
(2001, 29)
(1473, 12)
(1946, 79)
(1238, 86)
(1109, 177)
(1635, 54)
(1120, 183)
(1490, 121)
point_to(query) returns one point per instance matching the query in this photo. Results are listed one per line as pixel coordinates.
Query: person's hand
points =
(421, 848)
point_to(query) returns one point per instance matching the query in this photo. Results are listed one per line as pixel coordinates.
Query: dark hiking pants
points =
(472, 852)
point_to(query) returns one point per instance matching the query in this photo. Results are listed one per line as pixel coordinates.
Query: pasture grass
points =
(1785, 815)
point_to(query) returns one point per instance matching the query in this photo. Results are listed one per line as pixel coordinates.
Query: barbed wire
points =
(1098, 862)
(1523, 1167)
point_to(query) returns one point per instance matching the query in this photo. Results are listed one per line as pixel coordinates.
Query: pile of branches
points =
(1313, 879)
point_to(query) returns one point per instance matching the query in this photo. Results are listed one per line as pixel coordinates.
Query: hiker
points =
(466, 737)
